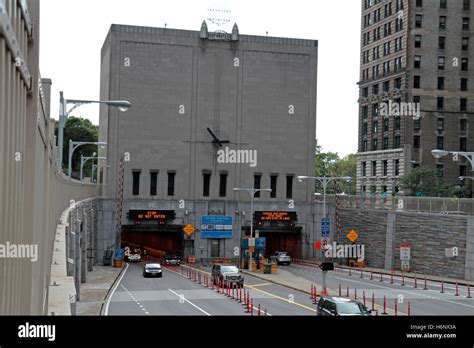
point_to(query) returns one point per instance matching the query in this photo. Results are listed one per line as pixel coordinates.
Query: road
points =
(175, 294)
(422, 302)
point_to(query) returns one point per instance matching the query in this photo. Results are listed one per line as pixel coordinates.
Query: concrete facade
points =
(409, 51)
(258, 93)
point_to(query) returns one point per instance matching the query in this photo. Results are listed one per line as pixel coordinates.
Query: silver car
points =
(281, 257)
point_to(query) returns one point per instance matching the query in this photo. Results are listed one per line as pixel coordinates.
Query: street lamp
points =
(73, 145)
(442, 153)
(122, 105)
(462, 178)
(251, 192)
(85, 159)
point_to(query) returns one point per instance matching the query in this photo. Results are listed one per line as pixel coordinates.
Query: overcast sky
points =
(73, 31)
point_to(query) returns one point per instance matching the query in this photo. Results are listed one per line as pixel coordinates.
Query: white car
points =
(281, 257)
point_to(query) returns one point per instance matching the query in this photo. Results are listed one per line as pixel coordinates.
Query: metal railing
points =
(433, 205)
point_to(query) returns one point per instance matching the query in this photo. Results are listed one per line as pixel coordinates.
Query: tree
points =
(423, 181)
(79, 129)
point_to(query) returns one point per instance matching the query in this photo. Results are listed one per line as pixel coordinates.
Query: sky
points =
(73, 31)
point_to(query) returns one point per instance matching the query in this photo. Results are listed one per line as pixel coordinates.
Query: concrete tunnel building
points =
(211, 111)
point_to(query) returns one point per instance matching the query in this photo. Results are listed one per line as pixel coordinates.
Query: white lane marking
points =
(192, 304)
(115, 288)
(409, 292)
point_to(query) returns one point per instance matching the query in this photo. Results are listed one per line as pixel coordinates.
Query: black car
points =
(152, 269)
(171, 259)
(227, 273)
(341, 306)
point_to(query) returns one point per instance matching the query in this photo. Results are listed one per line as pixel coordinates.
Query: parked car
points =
(281, 257)
(171, 259)
(341, 306)
(152, 269)
(227, 273)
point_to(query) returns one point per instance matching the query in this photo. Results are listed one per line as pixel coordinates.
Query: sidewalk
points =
(94, 292)
(292, 281)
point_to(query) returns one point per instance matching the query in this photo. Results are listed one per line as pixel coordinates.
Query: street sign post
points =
(189, 229)
(325, 227)
(405, 257)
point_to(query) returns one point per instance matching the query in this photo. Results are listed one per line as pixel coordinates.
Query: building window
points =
(289, 186)
(374, 144)
(416, 142)
(463, 84)
(440, 143)
(396, 167)
(416, 81)
(465, 23)
(464, 64)
(440, 83)
(385, 143)
(386, 124)
(396, 142)
(441, 61)
(440, 124)
(385, 168)
(365, 92)
(417, 124)
(440, 103)
(375, 89)
(443, 4)
(462, 144)
(374, 168)
(463, 104)
(419, 3)
(466, 6)
(399, 5)
(465, 43)
(398, 83)
(386, 86)
(223, 185)
(364, 129)
(365, 112)
(442, 22)
(206, 184)
(257, 183)
(364, 146)
(397, 123)
(418, 21)
(153, 182)
(364, 169)
(375, 127)
(417, 41)
(136, 182)
(441, 42)
(462, 171)
(439, 170)
(171, 179)
(273, 185)
(463, 125)
(375, 110)
(417, 63)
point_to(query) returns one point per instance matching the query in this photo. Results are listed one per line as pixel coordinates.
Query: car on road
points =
(227, 273)
(171, 259)
(133, 256)
(341, 306)
(281, 257)
(152, 269)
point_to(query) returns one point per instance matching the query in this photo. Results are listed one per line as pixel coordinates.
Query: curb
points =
(101, 312)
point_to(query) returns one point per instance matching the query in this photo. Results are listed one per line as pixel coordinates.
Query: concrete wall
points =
(32, 192)
(429, 235)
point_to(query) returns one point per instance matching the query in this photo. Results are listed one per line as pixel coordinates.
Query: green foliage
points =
(331, 165)
(79, 129)
(422, 182)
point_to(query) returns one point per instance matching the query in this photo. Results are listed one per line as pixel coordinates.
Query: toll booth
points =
(247, 249)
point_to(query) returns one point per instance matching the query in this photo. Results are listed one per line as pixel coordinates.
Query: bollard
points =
(371, 275)
(199, 278)
(373, 301)
(468, 291)
(403, 279)
(355, 293)
(391, 278)
(259, 309)
(381, 278)
(457, 290)
(361, 274)
(396, 307)
(247, 307)
(347, 292)
(233, 292)
(211, 286)
(415, 286)
(442, 287)
(384, 304)
(350, 270)
(339, 289)
(245, 298)
(426, 285)
(251, 307)
(240, 295)
(409, 309)
(363, 296)
(315, 295)
(312, 292)
(265, 313)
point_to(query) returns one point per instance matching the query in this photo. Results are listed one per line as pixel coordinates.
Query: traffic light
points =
(326, 266)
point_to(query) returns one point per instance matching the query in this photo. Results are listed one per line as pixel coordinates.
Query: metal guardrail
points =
(433, 205)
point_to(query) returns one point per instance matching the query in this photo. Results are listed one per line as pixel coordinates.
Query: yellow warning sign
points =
(352, 236)
(189, 229)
